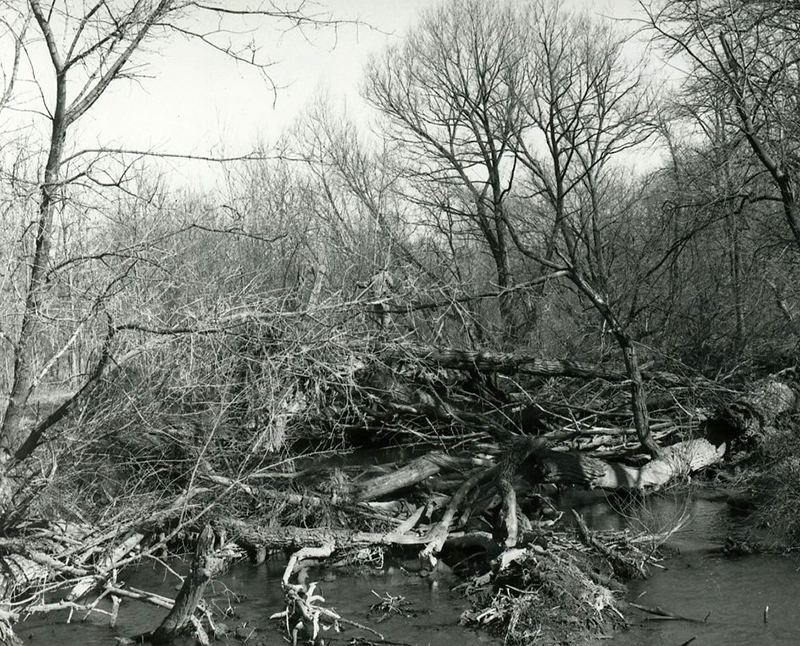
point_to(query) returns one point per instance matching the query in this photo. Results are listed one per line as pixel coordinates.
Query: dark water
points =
(726, 596)
(698, 583)
(255, 594)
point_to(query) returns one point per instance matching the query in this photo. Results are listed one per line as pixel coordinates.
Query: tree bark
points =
(24, 357)
(414, 472)
(204, 567)
(641, 420)
(64, 115)
(560, 467)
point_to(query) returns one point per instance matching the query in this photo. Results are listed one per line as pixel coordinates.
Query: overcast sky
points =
(195, 100)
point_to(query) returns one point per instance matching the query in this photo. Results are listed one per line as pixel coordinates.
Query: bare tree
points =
(748, 52)
(73, 55)
(584, 105)
(478, 93)
(449, 93)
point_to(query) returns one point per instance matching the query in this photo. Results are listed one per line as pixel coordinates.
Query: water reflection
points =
(700, 583)
(254, 593)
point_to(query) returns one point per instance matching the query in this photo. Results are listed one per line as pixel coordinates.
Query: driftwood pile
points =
(508, 426)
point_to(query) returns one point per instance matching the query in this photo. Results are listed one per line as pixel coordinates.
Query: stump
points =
(204, 567)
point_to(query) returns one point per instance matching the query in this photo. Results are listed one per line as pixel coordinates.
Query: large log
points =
(487, 361)
(252, 536)
(678, 460)
(502, 362)
(414, 472)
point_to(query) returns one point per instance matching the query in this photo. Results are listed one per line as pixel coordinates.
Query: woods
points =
(535, 259)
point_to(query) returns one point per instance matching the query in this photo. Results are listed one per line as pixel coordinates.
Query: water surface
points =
(699, 582)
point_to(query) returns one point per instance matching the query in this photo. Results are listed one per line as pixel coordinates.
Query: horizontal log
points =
(678, 460)
(514, 362)
(502, 362)
(252, 535)
(414, 472)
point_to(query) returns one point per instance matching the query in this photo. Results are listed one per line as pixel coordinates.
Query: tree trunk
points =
(638, 393)
(204, 567)
(678, 460)
(414, 472)
(641, 420)
(11, 432)
(542, 465)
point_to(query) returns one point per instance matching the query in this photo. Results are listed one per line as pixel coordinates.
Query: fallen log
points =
(541, 465)
(107, 564)
(681, 459)
(414, 472)
(120, 554)
(37, 555)
(440, 533)
(502, 362)
(251, 536)
(487, 361)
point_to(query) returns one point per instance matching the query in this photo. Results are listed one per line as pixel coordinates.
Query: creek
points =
(431, 612)
(697, 582)
(726, 595)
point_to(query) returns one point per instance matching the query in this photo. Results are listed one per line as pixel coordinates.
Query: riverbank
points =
(492, 501)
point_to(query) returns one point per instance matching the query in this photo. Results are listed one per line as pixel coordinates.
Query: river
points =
(727, 596)
(730, 594)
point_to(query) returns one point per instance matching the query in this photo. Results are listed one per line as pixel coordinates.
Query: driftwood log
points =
(750, 417)
(486, 361)
(411, 474)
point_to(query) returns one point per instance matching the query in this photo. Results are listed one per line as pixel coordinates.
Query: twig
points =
(663, 614)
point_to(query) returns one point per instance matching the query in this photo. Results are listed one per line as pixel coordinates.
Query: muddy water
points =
(730, 594)
(727, 596)
(431, 611)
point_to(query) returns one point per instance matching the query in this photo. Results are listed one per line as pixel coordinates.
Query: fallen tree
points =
(580, 434)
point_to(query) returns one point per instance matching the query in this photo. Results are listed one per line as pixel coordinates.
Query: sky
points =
(194, 100)
(189, 99)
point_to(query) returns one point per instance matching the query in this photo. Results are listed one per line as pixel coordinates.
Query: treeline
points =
(528, 177)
